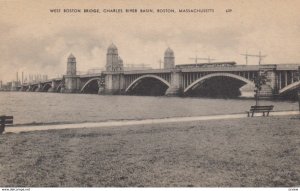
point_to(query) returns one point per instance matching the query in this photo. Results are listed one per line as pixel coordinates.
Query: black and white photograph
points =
(156, 94)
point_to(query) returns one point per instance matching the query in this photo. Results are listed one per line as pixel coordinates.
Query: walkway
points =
(137, 122)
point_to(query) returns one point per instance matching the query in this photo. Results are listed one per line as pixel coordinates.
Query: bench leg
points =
(264, 114)
(252, 114)
(268, 114)
(2, 129)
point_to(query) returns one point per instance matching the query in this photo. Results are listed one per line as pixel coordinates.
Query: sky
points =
(33, 40)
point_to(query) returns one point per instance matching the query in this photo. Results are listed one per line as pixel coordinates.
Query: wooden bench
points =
(260, 109)
(5, 121)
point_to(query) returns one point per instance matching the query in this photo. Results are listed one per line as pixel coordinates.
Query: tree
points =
(260, 80)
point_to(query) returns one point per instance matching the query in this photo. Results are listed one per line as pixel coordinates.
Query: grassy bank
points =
(241, 152)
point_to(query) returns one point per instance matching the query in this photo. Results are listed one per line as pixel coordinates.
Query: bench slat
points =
(8, 122)
(6, 117)
(5, 121)
(261, 107)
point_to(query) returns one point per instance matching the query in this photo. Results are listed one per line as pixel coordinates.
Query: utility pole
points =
(260, 57)
(196, 59)
(246, 57)
(160, 62)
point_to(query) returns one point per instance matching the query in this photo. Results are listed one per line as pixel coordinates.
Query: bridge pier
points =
(23, 88)
(39, 88)
(114, 84)
(176, 86)
(72, 84)
(27, 88)
(101, 90)
(269, 90)
(53, 86)
(13, 86)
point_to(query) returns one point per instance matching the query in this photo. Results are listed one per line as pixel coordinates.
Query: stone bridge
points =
(282, 80)
(208, 79)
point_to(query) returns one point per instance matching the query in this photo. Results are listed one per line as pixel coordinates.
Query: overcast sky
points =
(33, 40)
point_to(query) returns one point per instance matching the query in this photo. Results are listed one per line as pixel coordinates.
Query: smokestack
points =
(17, 77)
(22, 77)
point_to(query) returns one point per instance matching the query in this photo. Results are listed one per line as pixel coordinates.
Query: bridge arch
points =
(24, 88)
(147, 76)
(290, 87)
(34, 88)
(219, 75)
(46, 87)
(98, 80)
(59, 87)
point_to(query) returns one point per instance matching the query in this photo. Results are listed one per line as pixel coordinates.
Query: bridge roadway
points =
(282, 79)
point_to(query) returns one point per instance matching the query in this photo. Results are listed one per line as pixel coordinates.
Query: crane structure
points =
(198, 58)
(260, 57)
(160, 62)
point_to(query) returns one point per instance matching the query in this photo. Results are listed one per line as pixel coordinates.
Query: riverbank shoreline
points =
(251, 152)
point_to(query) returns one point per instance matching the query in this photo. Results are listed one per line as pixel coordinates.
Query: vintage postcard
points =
(140, 93)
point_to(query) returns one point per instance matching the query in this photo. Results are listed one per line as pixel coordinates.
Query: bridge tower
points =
(121, 65)
(71, 65)
(169, 59)
(114, 78)
(72, 81)
(169, 63)
(113, 62)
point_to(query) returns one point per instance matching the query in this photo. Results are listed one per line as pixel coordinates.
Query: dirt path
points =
(137, 122)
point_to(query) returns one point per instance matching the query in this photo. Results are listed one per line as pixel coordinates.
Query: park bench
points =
(5, 121)
(260, 109)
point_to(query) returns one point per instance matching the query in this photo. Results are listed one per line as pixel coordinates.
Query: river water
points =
(51, 108)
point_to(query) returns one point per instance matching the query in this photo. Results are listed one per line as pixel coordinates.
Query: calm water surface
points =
(30, 107)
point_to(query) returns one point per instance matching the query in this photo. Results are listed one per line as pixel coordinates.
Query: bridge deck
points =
(235, 68)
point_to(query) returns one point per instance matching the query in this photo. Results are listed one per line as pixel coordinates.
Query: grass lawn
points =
(260, 151)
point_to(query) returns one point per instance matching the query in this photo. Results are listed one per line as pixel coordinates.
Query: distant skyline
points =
(34, 40)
